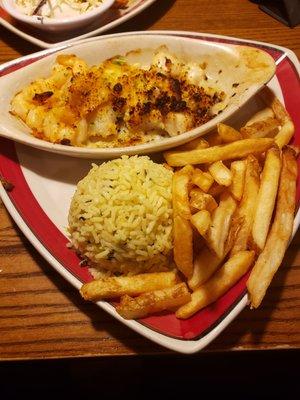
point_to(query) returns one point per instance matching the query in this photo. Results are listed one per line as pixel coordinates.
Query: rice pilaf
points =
(120, 217)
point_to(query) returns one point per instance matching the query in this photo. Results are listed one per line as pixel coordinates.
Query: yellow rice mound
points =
(120, 218)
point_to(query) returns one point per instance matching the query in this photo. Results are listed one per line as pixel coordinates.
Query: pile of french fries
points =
(234, 197)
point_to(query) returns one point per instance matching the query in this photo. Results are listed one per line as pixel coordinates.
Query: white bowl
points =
(249, 67)
(56, 24)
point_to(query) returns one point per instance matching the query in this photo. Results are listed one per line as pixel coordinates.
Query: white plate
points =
(227, 66)
(109, 20)
(57, 24)
(44, 184)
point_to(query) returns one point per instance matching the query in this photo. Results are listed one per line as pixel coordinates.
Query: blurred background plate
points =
(110, 19)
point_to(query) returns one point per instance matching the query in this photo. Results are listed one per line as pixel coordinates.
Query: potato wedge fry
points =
(261, 115)
(183, 231)
(238, 149)
(203, 180)
(228, 134)
(246, 209)
(238, 170)
(205, 264)
(202, 201)
(221, 174)
(277, 242)
(186, 170)
(180, 194)
(220, 224)
(287, 127)
(218, 284)
(201, 221)
(279, 110)
(153, 302)
(213, 138)
(183, 245)
(198, 143)
(259, 129)
(266, 197)
(285, 134)
(112, 287)
(216, 190)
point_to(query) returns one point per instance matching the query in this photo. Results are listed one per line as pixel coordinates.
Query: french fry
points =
(221, 174)
(234, 150)
(266, 197)
(198, 143)
(238, 170)
(202, 201)
(285, 134)
(112, 287)
(183, 231)
(205, 264)
(180, 194)
(287, 127)
(203, 180)
(213, 138)
(153, 302)
(261, 115)
(272, 255)
(218, 284)
(183, 245)
(279, 110)
(216, 190)
(201, 221)
(220, 224)
(259, 129)
(228, 134)
(246, 209)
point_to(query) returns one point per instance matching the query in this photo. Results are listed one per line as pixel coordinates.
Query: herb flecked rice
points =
(120, 217)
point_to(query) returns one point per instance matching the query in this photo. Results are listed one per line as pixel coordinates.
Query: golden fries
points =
(216, 190)
(112, 287)
(261, 115)
(266, 197)
(228, 134)
(287, 129)
(235, 150)
(153, 302)
(220, 224)
(246, 210)
(202, 201)
(268, 127)
(205, 264)
(183, 232)
(280, 112)
(183, 245)
(213, 138)
(180, 194)
(278, 239)
(238, 170)
(198, 143)
(285, 134)
(218, 284)
(221, 174)
(235, 205)
(203, 180)
(201, 221)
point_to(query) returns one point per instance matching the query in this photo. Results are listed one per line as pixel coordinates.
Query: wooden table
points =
(42, 316)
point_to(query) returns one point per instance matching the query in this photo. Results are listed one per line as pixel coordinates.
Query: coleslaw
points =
(56, 8)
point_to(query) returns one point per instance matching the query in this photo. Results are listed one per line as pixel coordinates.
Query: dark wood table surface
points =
(42, 316)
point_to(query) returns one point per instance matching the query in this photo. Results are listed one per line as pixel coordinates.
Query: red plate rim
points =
(55, 242)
